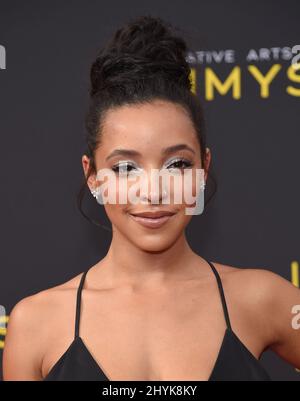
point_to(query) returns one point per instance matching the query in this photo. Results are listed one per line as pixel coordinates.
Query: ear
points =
(86, 165)
(207, 162)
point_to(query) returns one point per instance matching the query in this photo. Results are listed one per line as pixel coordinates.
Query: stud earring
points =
(96, 192)
(202, 186)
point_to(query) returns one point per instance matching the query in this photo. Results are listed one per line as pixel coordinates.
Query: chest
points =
(160, 337)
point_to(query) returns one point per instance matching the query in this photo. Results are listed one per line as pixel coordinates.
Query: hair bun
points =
(142, 49)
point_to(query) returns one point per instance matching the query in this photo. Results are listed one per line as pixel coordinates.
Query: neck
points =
(129, 264)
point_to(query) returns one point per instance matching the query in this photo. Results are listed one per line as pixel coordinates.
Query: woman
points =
(151, 309)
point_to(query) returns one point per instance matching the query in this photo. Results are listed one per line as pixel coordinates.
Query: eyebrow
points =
(165, 151)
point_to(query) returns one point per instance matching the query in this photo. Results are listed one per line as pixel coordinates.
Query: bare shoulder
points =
(254, 281)
(265, 297)
(272, 304)
(35, 305)
(30, 324)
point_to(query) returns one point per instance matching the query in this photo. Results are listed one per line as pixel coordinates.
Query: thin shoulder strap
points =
(78, 303)
(221, 290)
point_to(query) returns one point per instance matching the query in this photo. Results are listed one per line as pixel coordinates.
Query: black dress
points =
(234, 362)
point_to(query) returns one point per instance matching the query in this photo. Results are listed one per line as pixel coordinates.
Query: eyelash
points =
(186, 162)
(117, 166)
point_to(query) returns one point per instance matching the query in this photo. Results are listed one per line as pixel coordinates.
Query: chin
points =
(154, 243)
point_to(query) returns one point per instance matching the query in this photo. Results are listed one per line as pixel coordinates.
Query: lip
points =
(152, 219)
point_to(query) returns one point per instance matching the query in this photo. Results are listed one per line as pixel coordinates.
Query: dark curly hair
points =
(144, 61)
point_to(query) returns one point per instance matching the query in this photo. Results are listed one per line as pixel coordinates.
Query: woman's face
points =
(144, 132)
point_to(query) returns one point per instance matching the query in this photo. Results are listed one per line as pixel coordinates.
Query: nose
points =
(152, 189)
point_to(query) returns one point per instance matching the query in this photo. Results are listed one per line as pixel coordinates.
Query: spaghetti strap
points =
(78, 304)
(234, 362)
(221, 290)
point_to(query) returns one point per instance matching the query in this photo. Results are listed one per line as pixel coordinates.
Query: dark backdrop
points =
(253, 221)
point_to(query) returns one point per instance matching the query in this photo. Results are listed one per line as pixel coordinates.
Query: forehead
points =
(148, 126)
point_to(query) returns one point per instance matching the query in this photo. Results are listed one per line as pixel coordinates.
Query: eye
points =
(180, 163)
(123, 168)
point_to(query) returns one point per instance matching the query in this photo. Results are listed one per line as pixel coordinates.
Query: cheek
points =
(183, 190)
(116, 213)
